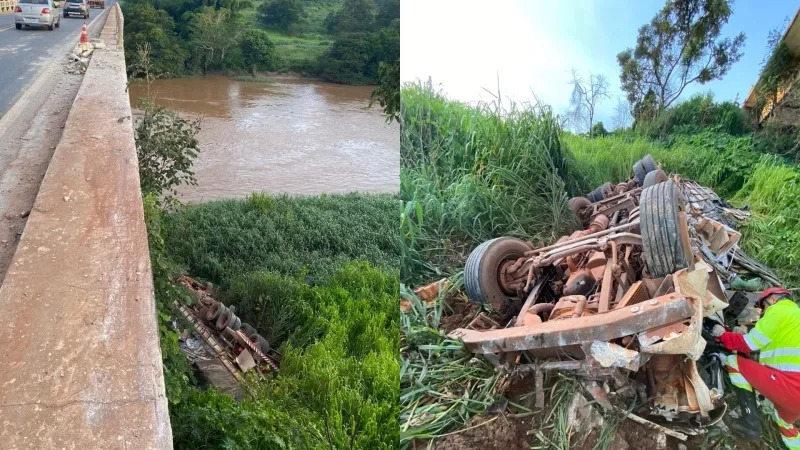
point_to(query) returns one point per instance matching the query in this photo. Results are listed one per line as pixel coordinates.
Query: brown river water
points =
(288, 136)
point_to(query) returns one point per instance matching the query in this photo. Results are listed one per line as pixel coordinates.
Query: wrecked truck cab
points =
(629, 293)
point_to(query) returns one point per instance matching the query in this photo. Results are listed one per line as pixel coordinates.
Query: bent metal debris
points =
(628, 301)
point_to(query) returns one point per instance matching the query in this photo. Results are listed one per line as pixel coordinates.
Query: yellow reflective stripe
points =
(784, 359)
(731, 361)
(781, 352)
(738, 380)
(756, 340)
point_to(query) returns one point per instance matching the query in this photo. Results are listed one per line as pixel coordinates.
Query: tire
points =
(247, 329)
(227, 319)
(18, 26)
(58, 23)
(655, 177)
(235, 324)
(649, 163)
(576, 204)
(66, 15)
(665, 234)
(260, 342)
(51, 27)
(600, 193)
(639, 172)
(482, 269)
(214, 311)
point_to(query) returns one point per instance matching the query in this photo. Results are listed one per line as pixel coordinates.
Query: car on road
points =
(36, 13)
(80, 7)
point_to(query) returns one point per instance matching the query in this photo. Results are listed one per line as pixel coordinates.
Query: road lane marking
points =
(7, 28)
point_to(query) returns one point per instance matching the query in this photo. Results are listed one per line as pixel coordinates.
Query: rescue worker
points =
(777, 377)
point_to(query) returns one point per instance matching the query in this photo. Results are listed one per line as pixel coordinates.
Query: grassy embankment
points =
(299, 52)
(318, 277)
(470, 174)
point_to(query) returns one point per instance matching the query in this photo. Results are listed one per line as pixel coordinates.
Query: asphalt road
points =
(23, 52)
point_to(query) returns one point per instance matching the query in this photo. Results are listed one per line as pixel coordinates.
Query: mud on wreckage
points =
(627, 303)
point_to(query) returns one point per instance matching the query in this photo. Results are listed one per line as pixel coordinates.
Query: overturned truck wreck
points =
(628, 300)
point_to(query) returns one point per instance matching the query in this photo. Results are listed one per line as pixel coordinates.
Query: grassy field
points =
(298, 53)
(299, 49)
(472, 173)
(318, 277)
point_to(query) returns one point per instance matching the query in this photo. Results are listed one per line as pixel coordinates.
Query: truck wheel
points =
(247, 329)
(601, 192)
(649, 163)
(665, 233)
(655, 177)
(260, 342)
(482, 271)
(214, 311)
(578, 204)
(18, 26)
(639, 172)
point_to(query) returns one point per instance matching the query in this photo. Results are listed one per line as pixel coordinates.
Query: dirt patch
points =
(459, 313)
(487, 433)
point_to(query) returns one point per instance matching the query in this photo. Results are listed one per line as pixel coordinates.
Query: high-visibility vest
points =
(777, 336)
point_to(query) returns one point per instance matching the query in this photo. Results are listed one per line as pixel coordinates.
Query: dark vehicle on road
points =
(79, 7)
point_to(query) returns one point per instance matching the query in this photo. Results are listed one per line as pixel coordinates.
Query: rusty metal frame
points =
(556, 334)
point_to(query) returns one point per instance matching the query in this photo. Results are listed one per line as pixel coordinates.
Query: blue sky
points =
(464, 45)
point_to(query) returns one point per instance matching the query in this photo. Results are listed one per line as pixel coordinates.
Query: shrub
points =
(166, 146)
(698, 114)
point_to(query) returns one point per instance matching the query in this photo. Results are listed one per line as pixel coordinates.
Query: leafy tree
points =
(599, 130)
(681, 45)
(145, 24)
(213, 34)
(166, 146)
(388, 11)
(350, 59)
(281, 14)
(258, 51)
(586, 95)
(387, 94)
(387, 57)
(355, 16)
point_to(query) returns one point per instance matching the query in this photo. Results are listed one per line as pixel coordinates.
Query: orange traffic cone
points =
(84, 34)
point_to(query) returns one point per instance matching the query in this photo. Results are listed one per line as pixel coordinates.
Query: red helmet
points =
(771, 291)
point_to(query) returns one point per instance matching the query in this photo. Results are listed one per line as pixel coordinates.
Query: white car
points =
(36, 13)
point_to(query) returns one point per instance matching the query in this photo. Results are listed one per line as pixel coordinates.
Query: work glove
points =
(729, 340)
(718, 331)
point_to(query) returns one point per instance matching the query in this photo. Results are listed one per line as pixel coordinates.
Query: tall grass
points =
(318, 277)
(472, 173)
(441, 384)
(296, 236)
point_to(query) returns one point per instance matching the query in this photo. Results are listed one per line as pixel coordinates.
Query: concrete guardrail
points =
(81, 362)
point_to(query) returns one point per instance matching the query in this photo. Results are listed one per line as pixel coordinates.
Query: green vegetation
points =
(166, 146)
(679, 46)
(442, 385)
(470, 174)
(316, 276)
(340, 40)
